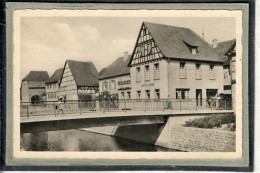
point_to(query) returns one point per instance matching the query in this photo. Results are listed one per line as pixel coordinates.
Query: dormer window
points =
(194, 50)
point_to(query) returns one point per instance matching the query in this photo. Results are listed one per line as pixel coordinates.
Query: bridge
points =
(98, 119)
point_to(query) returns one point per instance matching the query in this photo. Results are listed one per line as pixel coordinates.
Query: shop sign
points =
(147, 84)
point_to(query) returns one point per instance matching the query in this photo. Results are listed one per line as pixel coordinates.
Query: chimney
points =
(214, 43)
(125, 56)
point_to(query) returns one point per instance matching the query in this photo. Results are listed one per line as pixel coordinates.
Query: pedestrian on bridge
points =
(58, 107)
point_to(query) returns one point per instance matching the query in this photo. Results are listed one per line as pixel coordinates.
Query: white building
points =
(171, 62)
(52, 86)
(115, 79)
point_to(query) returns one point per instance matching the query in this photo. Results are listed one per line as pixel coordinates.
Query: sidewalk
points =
(119, 114)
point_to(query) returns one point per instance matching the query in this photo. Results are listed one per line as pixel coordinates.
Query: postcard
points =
(128, 84)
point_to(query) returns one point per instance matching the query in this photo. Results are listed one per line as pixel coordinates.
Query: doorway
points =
(36, 99)
(211, 93)
(199, 97)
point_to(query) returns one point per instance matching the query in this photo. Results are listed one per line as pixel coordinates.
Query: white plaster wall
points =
(190, 82)
(152, 84)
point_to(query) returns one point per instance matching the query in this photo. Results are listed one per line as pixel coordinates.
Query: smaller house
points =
(227, 51)
(115, 79)
(79, 81)
(33, 87)
(52, 86)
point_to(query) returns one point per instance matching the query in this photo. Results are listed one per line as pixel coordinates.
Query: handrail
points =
(72, 106)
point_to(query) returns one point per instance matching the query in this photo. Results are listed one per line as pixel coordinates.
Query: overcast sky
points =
(46, 43)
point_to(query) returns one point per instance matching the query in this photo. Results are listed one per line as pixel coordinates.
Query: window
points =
(211, 72)
(157, 93)
(156, 71)
(182, 70)
(194, 50)
(123, 95)
(147, 94)
(138, 96)
(233, 66)
(109, 85)
(138, 74)
(142, 51)
(182, 93)
(197, 71)
(147, 73)
(149, 48)
(129, 95)
(113, 84)
(105, 85)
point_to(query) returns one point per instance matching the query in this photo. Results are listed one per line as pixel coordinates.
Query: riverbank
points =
(174, 135)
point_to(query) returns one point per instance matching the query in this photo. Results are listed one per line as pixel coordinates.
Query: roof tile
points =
(84, 73)
(171, 41)
(56, 76)
(37, 76)
(117, 68)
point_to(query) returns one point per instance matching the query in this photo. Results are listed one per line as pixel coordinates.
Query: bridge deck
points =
(119, 114)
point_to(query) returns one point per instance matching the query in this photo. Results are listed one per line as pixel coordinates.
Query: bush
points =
(215, 121)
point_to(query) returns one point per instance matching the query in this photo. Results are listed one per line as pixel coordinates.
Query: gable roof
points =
(101, 71)
(174, 43)
(56, 76)
(224, 47)
(37, 76)
(84, 73)
(118, 68)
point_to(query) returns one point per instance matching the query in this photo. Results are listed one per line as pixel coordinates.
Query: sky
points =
(47, 42)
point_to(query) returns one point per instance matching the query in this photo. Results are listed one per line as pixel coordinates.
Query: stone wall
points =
(176, 136)
(198, 139)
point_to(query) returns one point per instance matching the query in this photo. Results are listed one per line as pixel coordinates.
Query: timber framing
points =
(146, 49)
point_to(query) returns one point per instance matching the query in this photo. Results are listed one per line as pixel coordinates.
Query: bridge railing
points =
(76, 107)
(165, 104)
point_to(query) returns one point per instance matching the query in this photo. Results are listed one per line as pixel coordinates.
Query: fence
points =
(76, 107)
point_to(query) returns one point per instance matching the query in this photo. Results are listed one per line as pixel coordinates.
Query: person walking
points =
(59, 107)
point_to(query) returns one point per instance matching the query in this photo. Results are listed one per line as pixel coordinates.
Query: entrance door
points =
(199, 97)
(211, 93)
(211, 97)
(35, 99)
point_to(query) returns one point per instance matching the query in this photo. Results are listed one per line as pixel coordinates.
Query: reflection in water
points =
(77, 140)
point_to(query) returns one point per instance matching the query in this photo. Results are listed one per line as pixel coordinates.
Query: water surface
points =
(78, 140)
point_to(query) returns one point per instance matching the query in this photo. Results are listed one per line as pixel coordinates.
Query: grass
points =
(215, 121)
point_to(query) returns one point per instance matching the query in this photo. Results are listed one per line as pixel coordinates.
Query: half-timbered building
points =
(171, 62)
(115, 79)
(52, 86)
(79, 81)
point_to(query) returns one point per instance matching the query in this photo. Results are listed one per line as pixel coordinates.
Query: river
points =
(78, 140)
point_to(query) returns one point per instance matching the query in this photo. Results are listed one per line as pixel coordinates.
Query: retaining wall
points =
(176, 136)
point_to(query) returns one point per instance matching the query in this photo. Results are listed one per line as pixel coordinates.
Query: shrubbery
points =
(227, 122)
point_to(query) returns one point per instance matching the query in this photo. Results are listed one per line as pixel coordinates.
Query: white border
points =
(124, 155)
